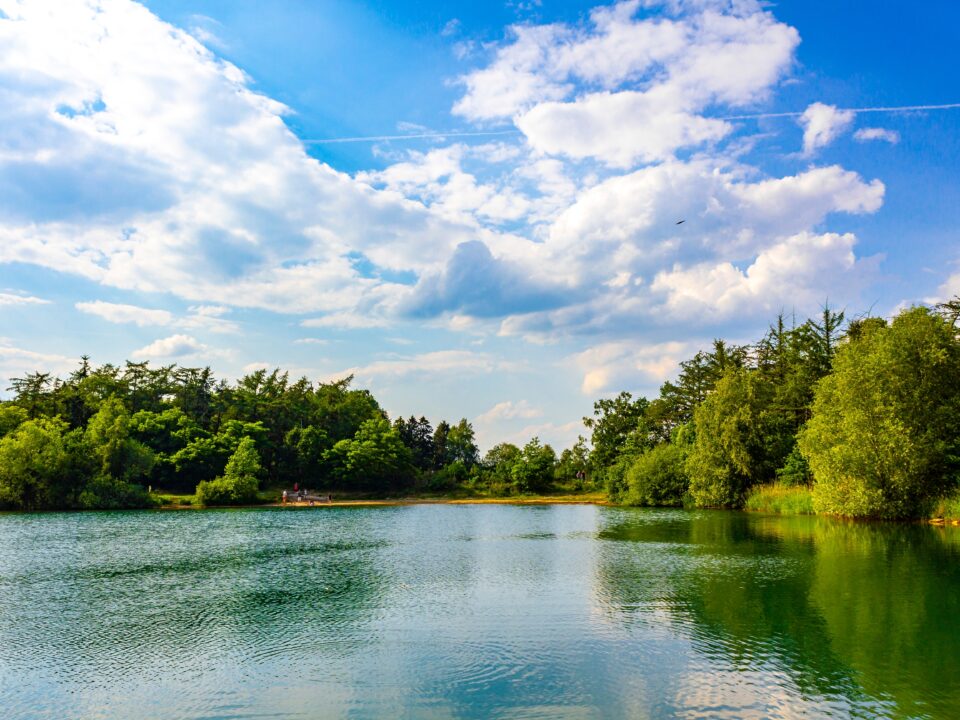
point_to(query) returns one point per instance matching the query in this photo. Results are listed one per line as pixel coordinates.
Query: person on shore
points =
(284, 497)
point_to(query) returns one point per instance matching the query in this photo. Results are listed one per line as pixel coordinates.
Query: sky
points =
(473, 208)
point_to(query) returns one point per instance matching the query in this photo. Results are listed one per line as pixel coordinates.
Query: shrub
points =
(657, 477)
(106, 493)
(227, 491)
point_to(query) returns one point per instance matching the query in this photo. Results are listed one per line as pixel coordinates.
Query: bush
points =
(657, 477)
(106, 493)
(227, 491)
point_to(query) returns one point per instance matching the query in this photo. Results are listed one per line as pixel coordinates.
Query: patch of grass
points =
(174, 499)
(782, 499)
(947, 508)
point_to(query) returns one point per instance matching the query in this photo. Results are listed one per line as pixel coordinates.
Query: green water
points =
(475, 611)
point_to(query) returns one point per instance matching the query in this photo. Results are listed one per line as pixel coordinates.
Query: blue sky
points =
(183, 182)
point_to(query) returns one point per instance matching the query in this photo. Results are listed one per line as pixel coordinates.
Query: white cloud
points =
(254, 366)
(618, 128)
(822, 124)
(311, 341)
(949, 289)
(203, 317)
(346, 321)
(8, 299)
(800, 271)
(120, 313)
(627, 89)
(140, 160)
(882, 134)
(558, 435)
(619, 231)
(508, 410)
(174, 346)
(194, 186)
(17, 362)
(431, 363)
(629, 364)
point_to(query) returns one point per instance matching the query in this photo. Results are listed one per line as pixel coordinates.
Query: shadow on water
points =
(863, 618)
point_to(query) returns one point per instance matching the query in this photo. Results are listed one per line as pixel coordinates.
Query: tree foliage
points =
(884, 438)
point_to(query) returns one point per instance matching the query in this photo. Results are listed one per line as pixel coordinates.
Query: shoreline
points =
(584, 499)
(544, 500)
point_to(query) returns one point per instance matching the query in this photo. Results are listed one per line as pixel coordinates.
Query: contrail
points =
(487, 133)
(375, 138)
(901, 108)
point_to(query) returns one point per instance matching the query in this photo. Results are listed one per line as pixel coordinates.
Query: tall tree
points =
(884, 439)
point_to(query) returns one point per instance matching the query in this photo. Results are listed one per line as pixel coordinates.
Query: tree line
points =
(865, 413)
(103, 436)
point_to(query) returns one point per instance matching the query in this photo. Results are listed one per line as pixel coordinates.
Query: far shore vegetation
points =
(856, 418)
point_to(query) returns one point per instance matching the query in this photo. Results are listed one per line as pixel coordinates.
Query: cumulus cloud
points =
(822, 124)
(797, 272)
(622, 229)
(557, 435)
(881, 134)
(210, 197)
(619, 128)
(175, 346)
(624, 88)
(476, 283)
(616, 365)
(137, 159)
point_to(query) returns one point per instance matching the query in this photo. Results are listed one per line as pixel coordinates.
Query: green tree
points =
(441, 446)
(614, 421)
(461, 444)
(884, 439)
(120, 456)
(309, 445)
(374, 460)
(574, 465)
(33, 466)
(11, 417)
(498, 466)
(533, 469)
(740, 440)
(239, 482)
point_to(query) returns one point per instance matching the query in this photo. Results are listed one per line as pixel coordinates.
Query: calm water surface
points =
(475, 611)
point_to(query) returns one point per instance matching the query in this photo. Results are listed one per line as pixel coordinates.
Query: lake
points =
(475, 611)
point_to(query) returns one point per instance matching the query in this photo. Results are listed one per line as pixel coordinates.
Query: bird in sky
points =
(680, 222)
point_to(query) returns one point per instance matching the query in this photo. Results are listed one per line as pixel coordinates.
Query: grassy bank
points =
(272, 496)
(947, 510)
(782, 499)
